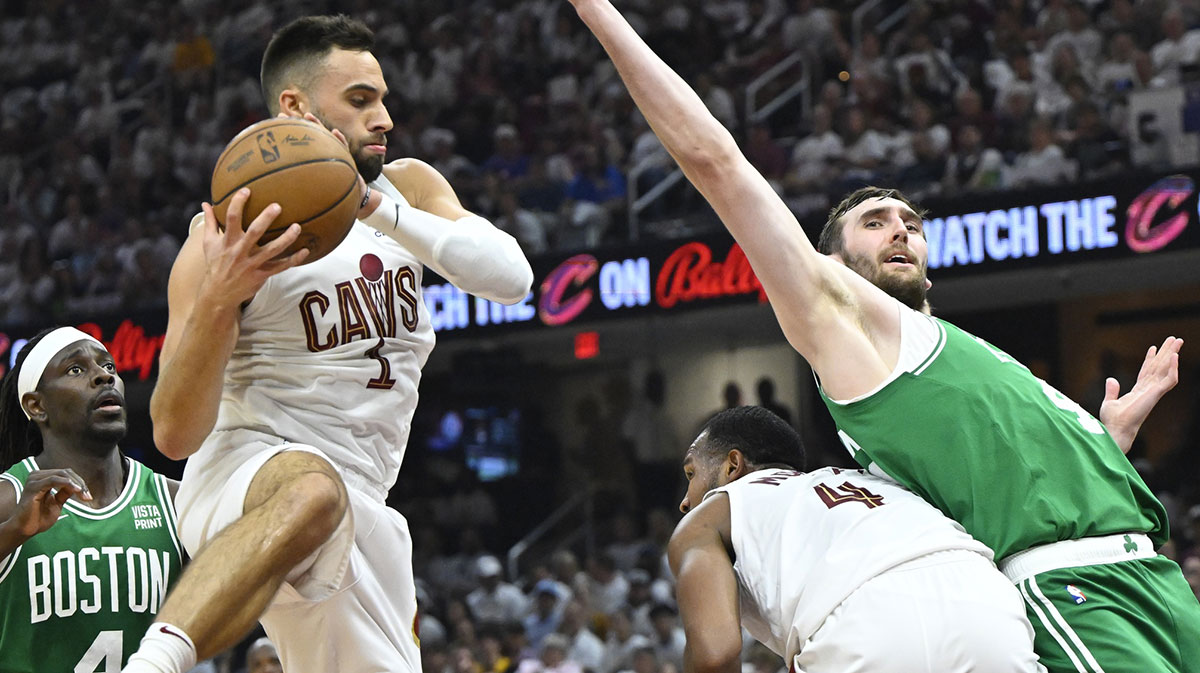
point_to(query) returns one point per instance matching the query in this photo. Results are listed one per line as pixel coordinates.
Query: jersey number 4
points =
(847, 492)
(106, 649)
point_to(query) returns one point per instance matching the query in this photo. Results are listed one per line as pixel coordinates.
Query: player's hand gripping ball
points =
(302, 167)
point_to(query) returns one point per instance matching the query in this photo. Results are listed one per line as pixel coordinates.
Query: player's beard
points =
(908, 289)
(369, 165)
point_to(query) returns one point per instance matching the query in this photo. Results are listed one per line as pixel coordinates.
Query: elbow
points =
(704, 148)
(726, 659)
(171, 438)
(170, 443)
(516, 287)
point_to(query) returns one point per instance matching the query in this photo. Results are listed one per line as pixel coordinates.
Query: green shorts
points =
(1137, 616)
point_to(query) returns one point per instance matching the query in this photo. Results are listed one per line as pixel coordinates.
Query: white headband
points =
(41, 355)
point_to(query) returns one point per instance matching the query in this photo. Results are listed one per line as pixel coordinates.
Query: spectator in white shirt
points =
(1044, 163)
(495, 601)
(555, 657)
(669, 639)
(583, 646)
(607, 586)
(623, 642)
(1079, 33)
(1179, 47)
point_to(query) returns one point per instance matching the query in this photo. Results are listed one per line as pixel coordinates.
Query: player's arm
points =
(38, 507)
(214, 275)
(818, 301)
(460, 246)
(706, 589)
(1123, 416)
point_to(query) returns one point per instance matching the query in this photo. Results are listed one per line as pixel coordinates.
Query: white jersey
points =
(803, 542)
(330, 355)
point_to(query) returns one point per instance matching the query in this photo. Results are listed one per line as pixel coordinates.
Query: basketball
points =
(302, 167)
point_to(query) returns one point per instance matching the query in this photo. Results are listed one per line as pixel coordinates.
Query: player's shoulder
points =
(414, 178)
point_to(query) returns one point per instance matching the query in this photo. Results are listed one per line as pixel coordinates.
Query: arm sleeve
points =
(469, 252)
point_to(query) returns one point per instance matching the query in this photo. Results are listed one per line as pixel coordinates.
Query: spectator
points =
(644, 660)
(765, 389)
(623, 642)
(972, 167)
(555, 658)
(261, 657)
(523, 224)
(1085, 40)
(1179, 49)
(865, 148)
(767, 155)
(495, 601)
(1118, 74)
(594, 195)
(1044, 163)
(669, 640)
(509, 162)
(583, 646)
(607, 586)
(546, 615)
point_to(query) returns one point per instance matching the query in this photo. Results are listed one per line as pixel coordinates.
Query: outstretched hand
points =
(42, 499)
(1123, 415)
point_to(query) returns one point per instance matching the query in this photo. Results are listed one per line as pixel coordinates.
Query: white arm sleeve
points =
(469, 252)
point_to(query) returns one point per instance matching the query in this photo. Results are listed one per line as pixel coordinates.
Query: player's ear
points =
(735, 464)
(293, 103)
(31, 402)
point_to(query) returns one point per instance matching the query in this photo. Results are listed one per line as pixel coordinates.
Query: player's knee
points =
(318, 502)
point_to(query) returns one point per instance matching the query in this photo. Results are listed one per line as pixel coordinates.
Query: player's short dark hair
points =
(763, 437)
(830, 240)
(19, 436)
(295, 51)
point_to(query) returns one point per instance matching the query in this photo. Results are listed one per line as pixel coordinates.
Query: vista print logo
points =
(1146, 230)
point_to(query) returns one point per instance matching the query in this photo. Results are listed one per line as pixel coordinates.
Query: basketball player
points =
(88, 545)
(291, 388)
(834, 570)
(1024, 469)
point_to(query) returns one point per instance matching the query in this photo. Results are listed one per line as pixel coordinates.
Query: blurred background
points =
(1055, 142)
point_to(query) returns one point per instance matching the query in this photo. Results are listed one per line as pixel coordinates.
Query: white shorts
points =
(950, 611)
(350, 606)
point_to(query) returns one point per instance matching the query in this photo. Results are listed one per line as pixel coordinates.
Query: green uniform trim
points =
(1127, 617)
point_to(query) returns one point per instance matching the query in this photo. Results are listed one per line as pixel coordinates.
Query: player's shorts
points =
(1102, 613)
(348, 607)
(949, 611)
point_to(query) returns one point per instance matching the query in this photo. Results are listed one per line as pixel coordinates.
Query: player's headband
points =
(42, 353)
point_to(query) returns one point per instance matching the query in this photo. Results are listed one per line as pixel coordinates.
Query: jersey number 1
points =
(105, 649)
(384, 381)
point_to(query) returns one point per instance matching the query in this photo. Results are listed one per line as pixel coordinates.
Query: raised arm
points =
(1123, 416)
(828, 313)
(214, 275)
(706, 589)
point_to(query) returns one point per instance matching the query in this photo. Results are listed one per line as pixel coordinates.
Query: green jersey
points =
(79, 596)
(975, 433)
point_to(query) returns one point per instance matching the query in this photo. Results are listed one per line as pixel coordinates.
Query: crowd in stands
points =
(112, 116)
(109, 137)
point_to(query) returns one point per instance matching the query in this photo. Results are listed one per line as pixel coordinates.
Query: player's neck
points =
(103, 472)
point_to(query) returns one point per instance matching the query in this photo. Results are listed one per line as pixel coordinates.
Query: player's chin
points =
(369, 165)
(109, 429)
